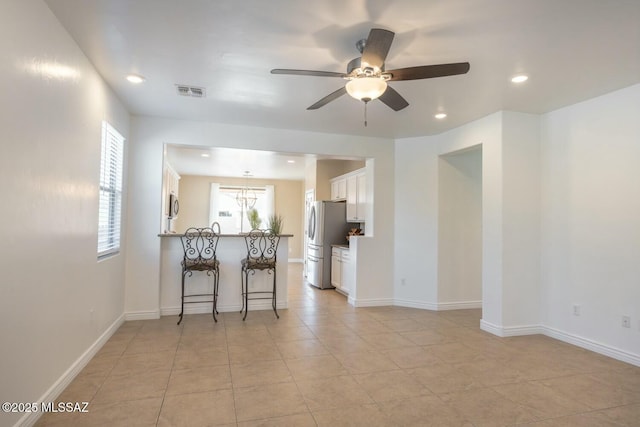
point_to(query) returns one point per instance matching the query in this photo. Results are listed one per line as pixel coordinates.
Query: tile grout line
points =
(233, 389)
(164, 395)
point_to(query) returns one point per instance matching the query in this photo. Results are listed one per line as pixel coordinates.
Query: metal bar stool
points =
(199, 246)
(262, 246)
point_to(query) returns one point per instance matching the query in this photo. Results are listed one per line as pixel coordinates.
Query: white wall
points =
(591, 220)
(460, 228)
(561, 221)
(416, 225)
(510, 206)
(521, 223)
(57, 299)
(149, 135)
(416, 228)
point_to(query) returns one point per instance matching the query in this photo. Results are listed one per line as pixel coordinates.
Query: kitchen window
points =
(226, 210)
(109, 211)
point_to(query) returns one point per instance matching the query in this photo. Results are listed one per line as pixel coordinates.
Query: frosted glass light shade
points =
(366, 88)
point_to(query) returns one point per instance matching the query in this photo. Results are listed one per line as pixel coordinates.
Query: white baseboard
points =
(510, 331)
(424, 305)
(373, 302)
(142, 315)
(438, 306)
(206, 309)
(592, 345)
(586, 343)
(63, 382)
(491, 328)
(189, 309)
(460, 305)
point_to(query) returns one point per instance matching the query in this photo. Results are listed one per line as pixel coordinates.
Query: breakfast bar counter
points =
(231, 249)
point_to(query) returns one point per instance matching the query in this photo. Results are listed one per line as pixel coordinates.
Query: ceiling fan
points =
(367, 77)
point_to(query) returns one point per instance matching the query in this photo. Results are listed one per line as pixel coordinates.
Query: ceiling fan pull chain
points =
(365, 113)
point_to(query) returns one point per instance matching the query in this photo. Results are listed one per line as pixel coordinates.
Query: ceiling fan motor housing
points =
(356, 64)
(367, 77)
(353, 64)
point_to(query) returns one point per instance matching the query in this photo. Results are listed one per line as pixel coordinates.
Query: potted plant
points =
(254, 218)
(275, 224)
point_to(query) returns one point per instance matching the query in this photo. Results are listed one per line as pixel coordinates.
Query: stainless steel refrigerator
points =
(327, 225)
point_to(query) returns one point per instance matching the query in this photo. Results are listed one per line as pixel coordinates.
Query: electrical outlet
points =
(626, 322)
(576, 309)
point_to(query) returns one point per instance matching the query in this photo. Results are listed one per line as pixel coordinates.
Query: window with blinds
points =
(226, 207)
(111, 165)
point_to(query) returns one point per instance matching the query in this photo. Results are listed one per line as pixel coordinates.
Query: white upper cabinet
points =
(361, 196)
(351, 187)
(356, 196)
(338, 189)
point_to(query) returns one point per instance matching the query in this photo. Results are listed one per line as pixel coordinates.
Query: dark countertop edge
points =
(221, 235)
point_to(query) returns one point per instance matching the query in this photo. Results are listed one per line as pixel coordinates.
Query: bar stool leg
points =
(182, 299)
(214, 309)
(242, 289)
(246, 294)
(274, 301)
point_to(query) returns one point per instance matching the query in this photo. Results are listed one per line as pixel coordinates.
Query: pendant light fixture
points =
(246, 198)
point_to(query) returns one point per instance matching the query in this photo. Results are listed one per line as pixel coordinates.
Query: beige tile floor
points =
(325, 363)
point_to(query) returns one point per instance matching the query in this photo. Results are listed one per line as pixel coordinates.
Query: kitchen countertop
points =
(343, 246)
(221, 235)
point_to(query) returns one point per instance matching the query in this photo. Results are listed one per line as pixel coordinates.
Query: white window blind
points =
(111, 166)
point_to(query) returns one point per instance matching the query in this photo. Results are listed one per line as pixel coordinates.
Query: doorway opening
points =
(460, 229)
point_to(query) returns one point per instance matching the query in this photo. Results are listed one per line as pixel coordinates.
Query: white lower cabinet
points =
(348, 276)
(336, 267)
(341, 269)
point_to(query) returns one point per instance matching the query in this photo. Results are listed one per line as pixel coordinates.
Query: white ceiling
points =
(571, 49)
(231, 162)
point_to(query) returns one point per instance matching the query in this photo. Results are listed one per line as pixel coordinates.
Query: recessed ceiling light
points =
(440, 116)
(520, 78)
(135, 78)
(205, 154)
(291, 161)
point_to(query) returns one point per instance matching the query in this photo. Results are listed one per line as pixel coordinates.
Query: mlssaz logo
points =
(65, 406)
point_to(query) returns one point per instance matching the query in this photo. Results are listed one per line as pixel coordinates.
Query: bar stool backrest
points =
(199, 246)
(262, 246)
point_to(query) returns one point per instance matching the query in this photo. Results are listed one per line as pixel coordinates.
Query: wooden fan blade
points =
(307, 73)
(428, 71)
(377, 47)
(327, 99)
(393, 99)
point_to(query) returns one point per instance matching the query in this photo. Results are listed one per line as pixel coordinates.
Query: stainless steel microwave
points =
(174, 206)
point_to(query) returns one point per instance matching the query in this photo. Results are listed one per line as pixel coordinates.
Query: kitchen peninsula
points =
(231, 249)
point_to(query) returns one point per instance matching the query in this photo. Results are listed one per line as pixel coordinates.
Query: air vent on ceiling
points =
(194, 91)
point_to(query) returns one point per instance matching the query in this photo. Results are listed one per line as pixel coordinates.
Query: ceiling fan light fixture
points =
(520, 78)
(135, 78)
(366, 88)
